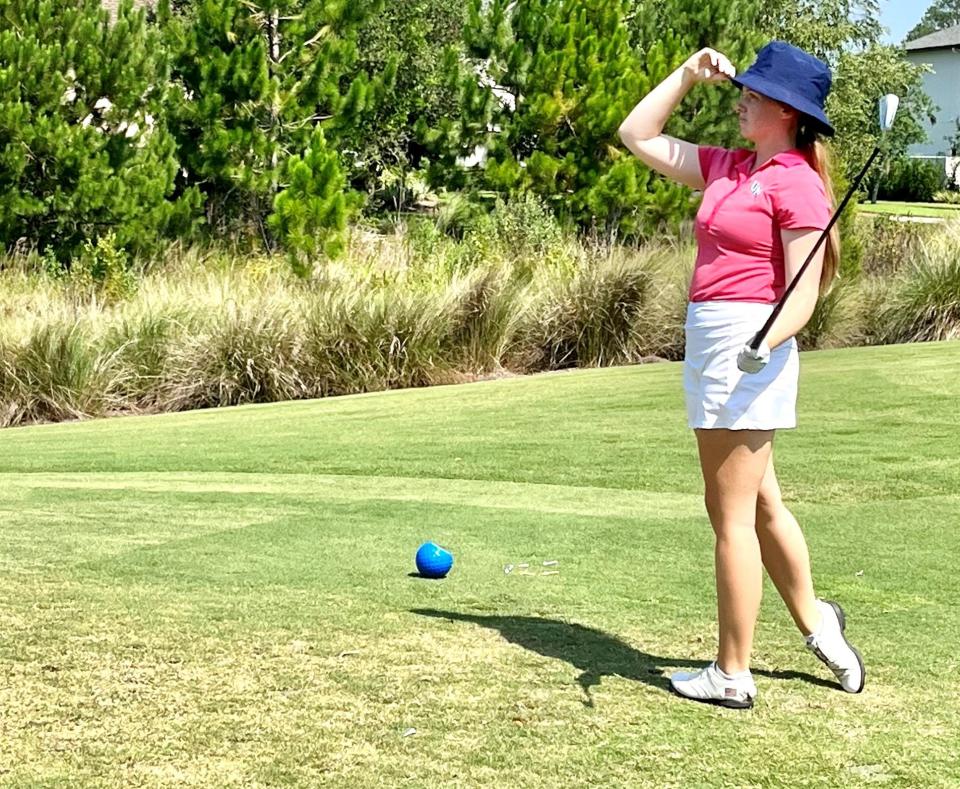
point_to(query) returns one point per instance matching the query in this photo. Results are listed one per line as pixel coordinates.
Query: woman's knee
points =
(769, 499)
(769, 504)
(729, 514)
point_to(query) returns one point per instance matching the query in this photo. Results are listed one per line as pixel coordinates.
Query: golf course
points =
(228, 598)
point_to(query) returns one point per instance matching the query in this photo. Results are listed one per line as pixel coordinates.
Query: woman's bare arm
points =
(642, 130)
(799, 307)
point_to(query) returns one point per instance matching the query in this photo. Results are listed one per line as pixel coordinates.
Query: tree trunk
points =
(273, 63)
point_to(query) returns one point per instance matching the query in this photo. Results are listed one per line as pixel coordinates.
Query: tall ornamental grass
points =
(204, 329)
(925, 302)
(200, 328)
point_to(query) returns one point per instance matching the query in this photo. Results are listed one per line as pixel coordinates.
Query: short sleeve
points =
(800, 200)
(714, 162)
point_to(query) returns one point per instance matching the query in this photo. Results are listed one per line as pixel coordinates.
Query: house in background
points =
(940, 51)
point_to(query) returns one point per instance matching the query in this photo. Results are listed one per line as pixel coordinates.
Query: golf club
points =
(888, 111)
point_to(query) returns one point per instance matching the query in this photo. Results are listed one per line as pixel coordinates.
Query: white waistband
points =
(706, 314)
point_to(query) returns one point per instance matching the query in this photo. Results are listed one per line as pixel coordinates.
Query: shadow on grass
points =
(595, 653)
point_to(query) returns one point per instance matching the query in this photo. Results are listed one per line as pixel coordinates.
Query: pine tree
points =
(83, 147)
(567, 72)
(257, 77)
(310, 213)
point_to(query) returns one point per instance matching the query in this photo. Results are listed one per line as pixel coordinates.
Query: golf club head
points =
(888, 111)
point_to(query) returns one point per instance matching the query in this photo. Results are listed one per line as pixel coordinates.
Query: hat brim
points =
(778, 93)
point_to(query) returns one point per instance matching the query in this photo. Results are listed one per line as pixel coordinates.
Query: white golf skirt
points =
(718, 394)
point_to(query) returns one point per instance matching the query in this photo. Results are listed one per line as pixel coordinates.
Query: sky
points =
(899, 16)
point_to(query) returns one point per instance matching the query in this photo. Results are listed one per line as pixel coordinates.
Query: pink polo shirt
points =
(740, 252)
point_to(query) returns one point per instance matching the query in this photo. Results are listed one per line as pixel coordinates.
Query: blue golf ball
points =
(433, 561)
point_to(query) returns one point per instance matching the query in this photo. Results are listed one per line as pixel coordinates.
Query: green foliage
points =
(847, 35)
(457, 213)
(256, 78)
(949, 196)
(824, 28)
(912, 180)
(832, 322)
(487, 307)
(522, 228)
(143, 341)
(522, 231)
(104, 268)
(939, 16)
(851, 239)
(229, 330)
(55, 374)
(566, 74)
(362, 339)
(894, 245)
(862, 78)
(84, 148)
(591, 319)
(310, 213)
(244, 353)
(411, 44)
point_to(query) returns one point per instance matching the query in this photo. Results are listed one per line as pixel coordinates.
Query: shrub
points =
(526, 226)
(240, 353)
(522, 230)
(210, 329)
(457, 214)
(833, 321)
(103, 268)
(370, 338)
(487, 310)
(892, 244)
(589, 320)
(912, 180)
(925, 304)
(867, 306)
(55, 373)
(848, 225)
(948, 196)
(430, 252)
(143, 343)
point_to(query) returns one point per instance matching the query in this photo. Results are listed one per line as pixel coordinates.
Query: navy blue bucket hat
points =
(791, 76)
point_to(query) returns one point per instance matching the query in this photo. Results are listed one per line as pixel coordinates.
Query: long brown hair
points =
(820, 158)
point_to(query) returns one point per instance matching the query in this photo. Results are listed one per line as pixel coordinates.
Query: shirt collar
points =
(790, 158)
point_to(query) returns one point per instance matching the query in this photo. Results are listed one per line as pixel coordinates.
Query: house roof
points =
(942, 39)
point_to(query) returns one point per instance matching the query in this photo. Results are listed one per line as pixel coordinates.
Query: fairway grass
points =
(225, 598)
(897, 208)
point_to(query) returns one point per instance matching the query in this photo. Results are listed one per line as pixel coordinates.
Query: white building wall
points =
(943, 86)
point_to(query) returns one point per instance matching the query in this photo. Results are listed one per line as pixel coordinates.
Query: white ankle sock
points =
(823, 619)
(739, 675)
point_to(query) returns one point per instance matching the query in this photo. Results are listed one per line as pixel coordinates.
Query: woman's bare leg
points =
(785, 554)
(734, 463)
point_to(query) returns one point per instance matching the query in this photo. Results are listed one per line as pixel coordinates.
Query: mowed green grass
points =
(897, 208)
(224, 598)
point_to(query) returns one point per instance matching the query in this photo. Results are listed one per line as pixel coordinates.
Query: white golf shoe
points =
(831, 646)
(712, 686)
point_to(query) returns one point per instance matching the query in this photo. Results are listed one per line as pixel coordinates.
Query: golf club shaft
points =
(761, 335)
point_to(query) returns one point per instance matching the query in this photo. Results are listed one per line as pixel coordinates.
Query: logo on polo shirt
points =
(755, 188)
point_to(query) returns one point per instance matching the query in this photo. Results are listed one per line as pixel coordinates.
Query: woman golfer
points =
(762, 212)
